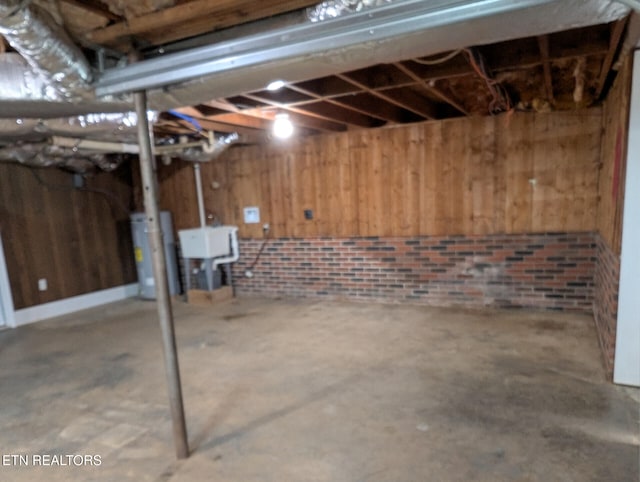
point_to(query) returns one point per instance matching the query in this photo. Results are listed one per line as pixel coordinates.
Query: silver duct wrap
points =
(336, 8)
(33, 33)
(44, 154)
(18, 81)
(109, 127)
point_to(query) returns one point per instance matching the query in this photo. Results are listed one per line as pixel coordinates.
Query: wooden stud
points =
(543, 46)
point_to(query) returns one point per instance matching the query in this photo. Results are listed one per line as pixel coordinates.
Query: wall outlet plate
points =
(42, 284)
(251, 215)
(308, 213)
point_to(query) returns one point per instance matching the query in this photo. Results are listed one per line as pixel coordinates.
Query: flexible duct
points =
(335, 8)
(43, 154)
(47, 48)
(112, 127)
(209, 151)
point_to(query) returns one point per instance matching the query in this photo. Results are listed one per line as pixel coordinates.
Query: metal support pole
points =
(165, 314)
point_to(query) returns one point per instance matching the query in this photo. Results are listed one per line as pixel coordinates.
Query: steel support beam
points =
(367, 27)
(165, 314)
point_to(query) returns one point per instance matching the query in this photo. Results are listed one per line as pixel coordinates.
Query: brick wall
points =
(549, 271)
(605, 303)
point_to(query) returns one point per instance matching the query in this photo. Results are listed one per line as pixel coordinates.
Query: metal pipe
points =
(165, 314)
(196, 173)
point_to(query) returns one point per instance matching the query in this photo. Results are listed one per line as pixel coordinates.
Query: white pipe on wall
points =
(235, 250)
(198, 178)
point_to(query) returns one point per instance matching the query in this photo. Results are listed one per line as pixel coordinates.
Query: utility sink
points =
(206, 242)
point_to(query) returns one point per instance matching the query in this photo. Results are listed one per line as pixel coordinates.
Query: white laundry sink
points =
(206, 242)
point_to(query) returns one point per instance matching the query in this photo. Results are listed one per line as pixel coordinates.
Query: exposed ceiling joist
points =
(617, 28)
(95, 6)
(432, 90)
(192, 18)
(396, 63)
(349, 101)
(543, 45)
(303, 117)
(244, 11)
(404, 100)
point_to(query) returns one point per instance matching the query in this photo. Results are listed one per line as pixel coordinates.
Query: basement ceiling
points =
(564, 70)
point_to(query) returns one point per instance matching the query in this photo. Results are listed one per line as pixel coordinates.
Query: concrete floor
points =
(294, 390)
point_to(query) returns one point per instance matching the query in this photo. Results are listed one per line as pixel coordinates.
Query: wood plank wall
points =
(79, 241)
(615, 120)
(513, 173)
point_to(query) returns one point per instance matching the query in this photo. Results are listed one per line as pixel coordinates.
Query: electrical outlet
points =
(265, 227)
(42, 284)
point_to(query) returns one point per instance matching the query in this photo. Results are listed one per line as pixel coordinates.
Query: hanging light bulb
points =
(282, 126)
(275, 85)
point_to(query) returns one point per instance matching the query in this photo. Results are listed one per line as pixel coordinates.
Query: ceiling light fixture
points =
(275, 85)
(282, 126)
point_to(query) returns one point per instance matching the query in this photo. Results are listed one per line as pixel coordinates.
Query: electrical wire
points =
(191, 120)
(255, 261)
(440, 60)
(500, 98)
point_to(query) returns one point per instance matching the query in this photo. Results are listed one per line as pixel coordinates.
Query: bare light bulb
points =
(282, 126)
(275, 85)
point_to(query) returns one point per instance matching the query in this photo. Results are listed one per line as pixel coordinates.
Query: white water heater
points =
(142, 252)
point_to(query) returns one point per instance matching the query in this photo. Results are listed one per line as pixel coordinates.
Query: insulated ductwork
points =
(208, 151)
(336, 8)
(35, 142)
(33, 33)
(43, 154)
(110, 127)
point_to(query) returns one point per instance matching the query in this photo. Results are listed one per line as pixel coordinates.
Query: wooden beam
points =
(432, 90)
(95, 6)
(253, 135)
(322, 115)
(423, 109)
(243, 12)
(377, 106)
(350, 102)
(614, 41)
(337, 113)
(193, 18)
(543, 46)
(243, 120)
(160, 19)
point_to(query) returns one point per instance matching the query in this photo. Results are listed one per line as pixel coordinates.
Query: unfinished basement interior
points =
(350, 240)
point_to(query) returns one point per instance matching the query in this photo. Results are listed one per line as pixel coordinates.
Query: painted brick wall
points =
(605, 303)
(548, 271)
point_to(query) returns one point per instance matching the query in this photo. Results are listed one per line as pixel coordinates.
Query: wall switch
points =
(42, 284)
